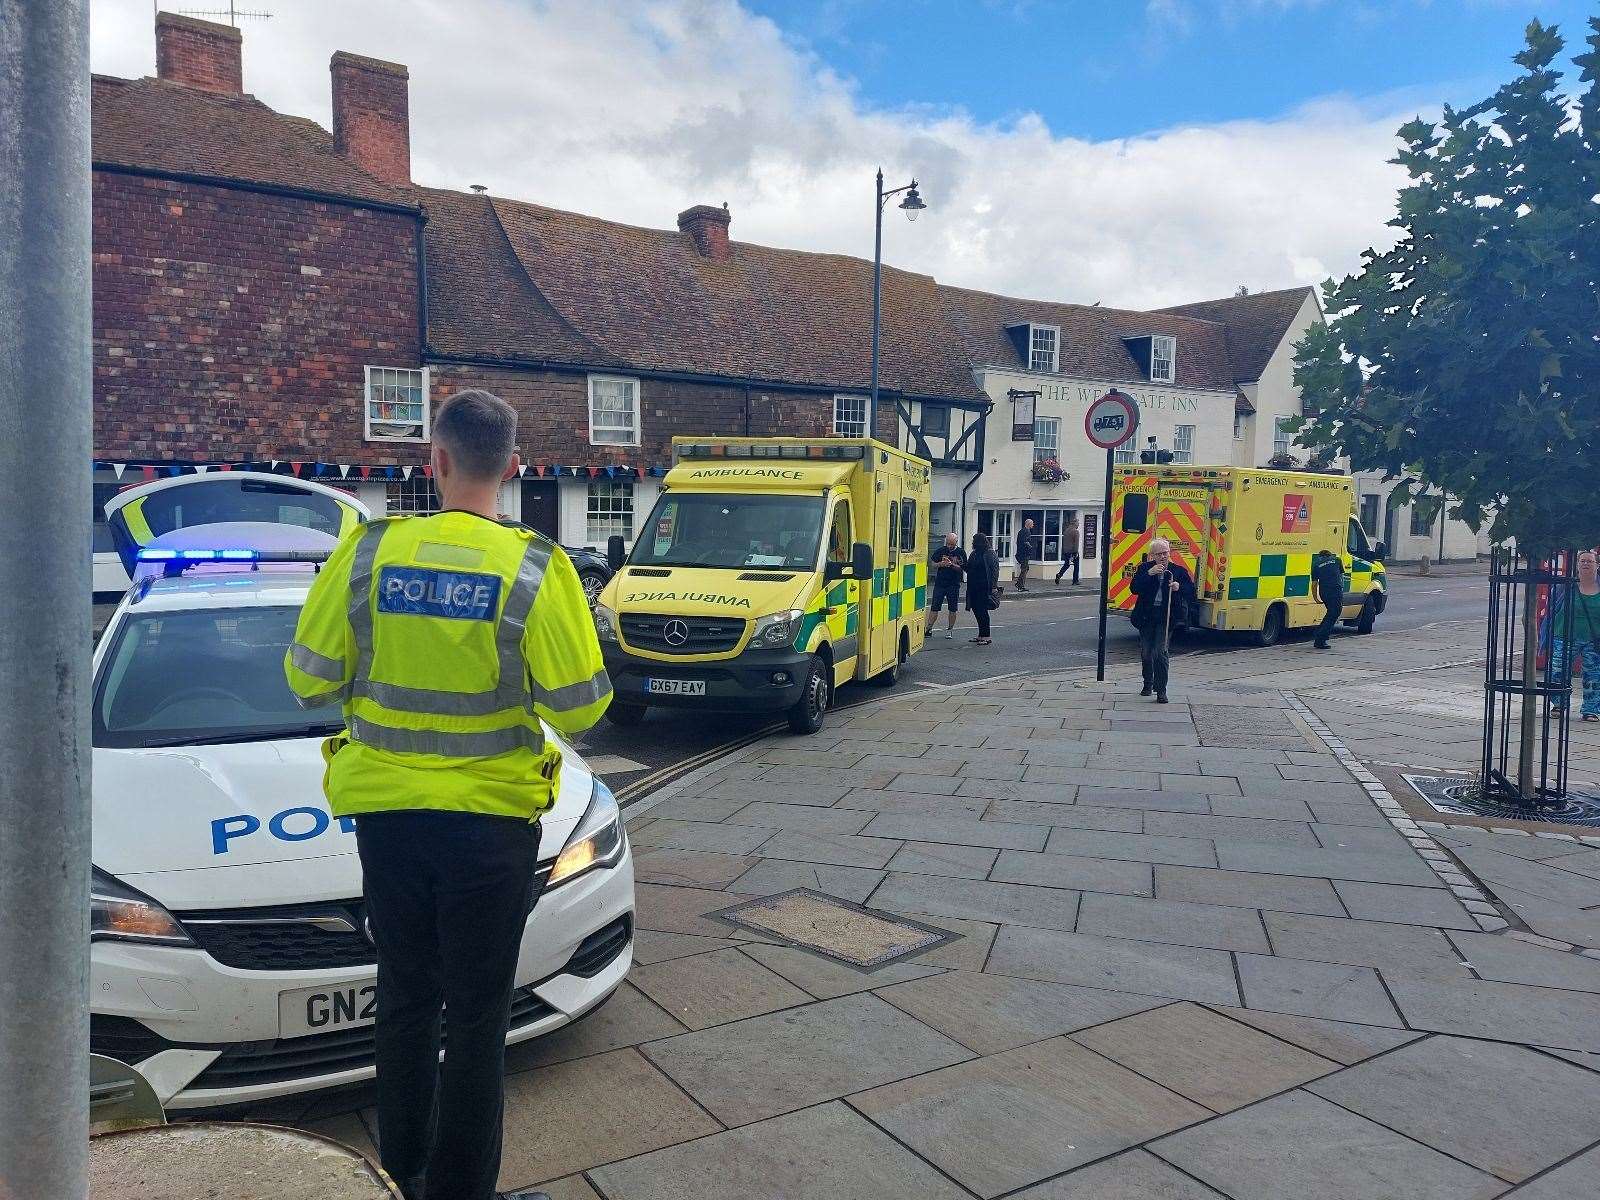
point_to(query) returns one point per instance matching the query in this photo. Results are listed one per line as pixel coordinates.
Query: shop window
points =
(1183, 444)
(412, 497)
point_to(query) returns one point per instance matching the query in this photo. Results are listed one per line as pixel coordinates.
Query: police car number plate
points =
(675, 687)
(332, 1006)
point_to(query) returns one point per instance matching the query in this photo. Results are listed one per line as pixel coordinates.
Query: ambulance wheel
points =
(806, 715)
(625, 715)
(1271, 628)
(1369, 614)
(891, 676)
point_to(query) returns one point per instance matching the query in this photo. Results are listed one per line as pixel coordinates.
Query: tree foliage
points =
(1468, 357)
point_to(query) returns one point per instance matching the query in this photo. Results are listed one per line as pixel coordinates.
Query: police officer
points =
(1328, 574)
(447, 638)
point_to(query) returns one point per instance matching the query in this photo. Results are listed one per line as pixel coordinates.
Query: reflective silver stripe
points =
(304, 658)
(574, 695)
(317, 701)
(360, 611)
(485, 744)
(512, 689)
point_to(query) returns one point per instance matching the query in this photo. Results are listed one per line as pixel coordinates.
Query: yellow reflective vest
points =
(446, 638)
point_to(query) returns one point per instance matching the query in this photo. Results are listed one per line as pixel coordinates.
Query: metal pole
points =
(877, 291)
(45, 454)
(1105, 573)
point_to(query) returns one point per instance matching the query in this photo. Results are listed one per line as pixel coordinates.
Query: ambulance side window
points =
(908, 525)
(1358, 540)
(839, 534)
(1135, 512)
(894, 523)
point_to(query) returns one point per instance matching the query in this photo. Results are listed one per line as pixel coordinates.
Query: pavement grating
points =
(835, 928)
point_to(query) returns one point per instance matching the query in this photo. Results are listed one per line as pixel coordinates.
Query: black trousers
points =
(1330, 618)
(1154, 657)
(1073, 561)
(448, 895)
(981, 615)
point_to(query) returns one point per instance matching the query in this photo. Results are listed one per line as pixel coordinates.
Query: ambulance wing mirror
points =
(861, 560)
(616, 553)
(1381, 551)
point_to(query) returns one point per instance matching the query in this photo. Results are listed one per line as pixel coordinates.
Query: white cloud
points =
(634, 111)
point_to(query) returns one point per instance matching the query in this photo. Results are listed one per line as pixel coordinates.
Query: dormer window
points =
(1044, 348)
(1163, 354)
(1156, 354)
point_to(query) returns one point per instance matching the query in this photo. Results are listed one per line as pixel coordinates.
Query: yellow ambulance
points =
(1247, 536)
(769, 572)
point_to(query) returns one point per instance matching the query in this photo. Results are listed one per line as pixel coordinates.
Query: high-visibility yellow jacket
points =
(446, 638)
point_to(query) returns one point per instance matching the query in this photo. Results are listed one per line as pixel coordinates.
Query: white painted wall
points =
(1460, 542)
(1274, 394)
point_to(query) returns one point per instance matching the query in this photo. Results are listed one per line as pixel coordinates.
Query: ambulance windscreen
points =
(733, 532)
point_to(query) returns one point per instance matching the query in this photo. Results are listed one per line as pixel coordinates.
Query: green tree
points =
(1466, 358)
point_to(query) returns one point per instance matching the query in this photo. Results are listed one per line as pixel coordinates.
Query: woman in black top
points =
(983, 574)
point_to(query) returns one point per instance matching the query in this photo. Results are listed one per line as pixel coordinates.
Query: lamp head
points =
(912, 203)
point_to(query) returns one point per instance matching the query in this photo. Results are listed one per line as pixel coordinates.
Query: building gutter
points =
(711, 379)
(262, 189)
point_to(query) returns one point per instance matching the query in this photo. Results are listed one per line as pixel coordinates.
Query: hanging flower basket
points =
(1047, 470)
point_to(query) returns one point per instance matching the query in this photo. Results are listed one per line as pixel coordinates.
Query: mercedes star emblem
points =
(676, 632)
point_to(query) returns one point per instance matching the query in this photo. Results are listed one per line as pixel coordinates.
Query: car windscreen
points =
(203, 676)
(715, 529)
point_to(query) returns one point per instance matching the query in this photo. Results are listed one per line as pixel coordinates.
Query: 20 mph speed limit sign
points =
(1111, 420)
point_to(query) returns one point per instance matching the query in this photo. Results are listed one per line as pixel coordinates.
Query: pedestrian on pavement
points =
(1069, 550)
(1327, 574)
(447, 638)
(1160, 586)
(1585, 637)
(949, 563)
(983, 584)
(1025, 554)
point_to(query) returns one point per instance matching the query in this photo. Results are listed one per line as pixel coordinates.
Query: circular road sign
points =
(1111, 420)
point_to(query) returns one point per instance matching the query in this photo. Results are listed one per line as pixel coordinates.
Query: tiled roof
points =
(1256, 324)
(481, 303)
(1091, 338)
(626, 296)
(153, 125)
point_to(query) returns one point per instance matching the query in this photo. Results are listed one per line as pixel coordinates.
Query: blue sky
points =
(1116, 68)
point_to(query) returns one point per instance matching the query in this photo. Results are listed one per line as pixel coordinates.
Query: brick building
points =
(273, 294)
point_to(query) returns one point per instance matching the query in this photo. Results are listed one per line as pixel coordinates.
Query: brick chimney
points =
(199, 54)
(709, 228)
(372, 115)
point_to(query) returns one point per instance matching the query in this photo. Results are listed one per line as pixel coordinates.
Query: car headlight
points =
(776, 631)
(605, 623)
(598, 841)
(118, 912)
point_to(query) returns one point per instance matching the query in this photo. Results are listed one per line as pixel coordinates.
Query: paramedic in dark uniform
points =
(1327, 573)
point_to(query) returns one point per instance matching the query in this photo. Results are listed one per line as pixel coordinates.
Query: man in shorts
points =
(949, 563)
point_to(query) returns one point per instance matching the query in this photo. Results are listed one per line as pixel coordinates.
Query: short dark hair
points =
(479, 430)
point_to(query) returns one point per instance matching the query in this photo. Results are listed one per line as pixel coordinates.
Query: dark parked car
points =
(592, 569)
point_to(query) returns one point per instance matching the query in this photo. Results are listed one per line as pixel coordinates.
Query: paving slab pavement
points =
(1182, 970)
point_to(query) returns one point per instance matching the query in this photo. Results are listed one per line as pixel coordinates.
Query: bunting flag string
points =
(307, 469)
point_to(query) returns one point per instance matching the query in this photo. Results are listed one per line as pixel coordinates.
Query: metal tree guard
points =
(1522, 713)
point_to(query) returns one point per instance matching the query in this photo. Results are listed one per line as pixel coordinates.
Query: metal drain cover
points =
(1246, 728)
(836, 928)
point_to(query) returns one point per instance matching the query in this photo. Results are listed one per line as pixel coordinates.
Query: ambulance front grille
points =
(660, 633)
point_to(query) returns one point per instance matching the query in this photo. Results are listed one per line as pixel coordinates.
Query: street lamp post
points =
(911, 205)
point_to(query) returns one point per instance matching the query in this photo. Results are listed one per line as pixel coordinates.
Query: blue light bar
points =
(163, 555)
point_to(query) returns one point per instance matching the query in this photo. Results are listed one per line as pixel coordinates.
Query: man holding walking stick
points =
(1159, 586)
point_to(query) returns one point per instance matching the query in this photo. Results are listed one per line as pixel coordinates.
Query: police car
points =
(231, 959)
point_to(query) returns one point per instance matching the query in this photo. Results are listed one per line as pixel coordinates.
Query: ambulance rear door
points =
(1183, 517)
(887, 607)
(138, 515)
